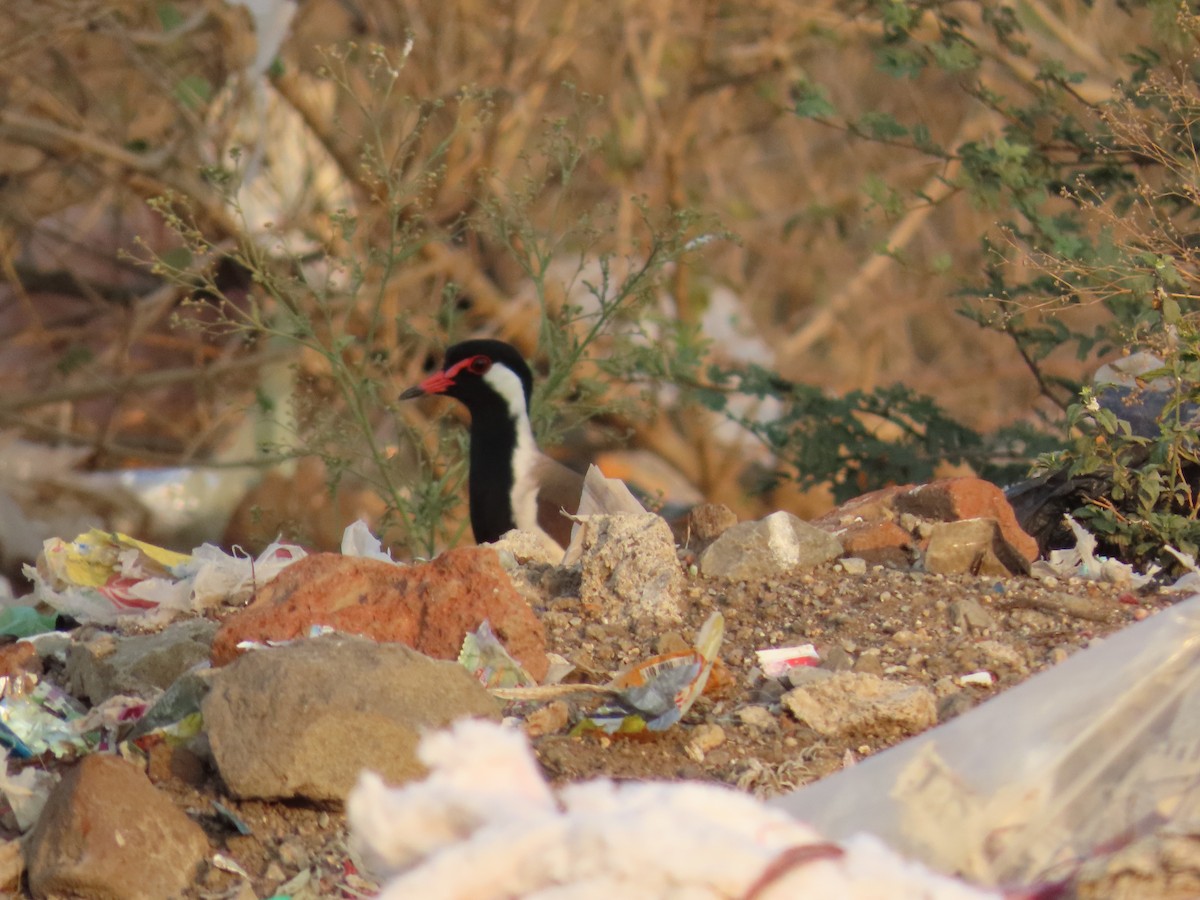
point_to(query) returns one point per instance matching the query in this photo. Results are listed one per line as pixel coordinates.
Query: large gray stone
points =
(302, 720)
(972, 547)
(142, 664)
(107, 833)
(774, 546)
(630, 569)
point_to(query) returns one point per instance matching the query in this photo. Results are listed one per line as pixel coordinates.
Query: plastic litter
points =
(357, 540)
(176, 712)
(1097, 752)
(485, 657)
(25, 792)
(657, 693)
(1081, 561)
(1189, 581)
(225, 813)
(485, 824)
(652, 695)
(314, 631)
(101, 576)
(24, 621)
(43, 718)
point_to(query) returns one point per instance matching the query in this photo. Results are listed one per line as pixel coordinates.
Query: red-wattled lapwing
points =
(511, 484)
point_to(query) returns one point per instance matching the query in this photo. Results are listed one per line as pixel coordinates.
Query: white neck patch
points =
(504, 381)
(508, 385)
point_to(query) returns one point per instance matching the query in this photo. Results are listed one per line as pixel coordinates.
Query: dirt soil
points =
(894, 623)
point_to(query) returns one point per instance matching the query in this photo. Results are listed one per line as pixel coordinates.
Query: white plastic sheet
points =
(1101, 749)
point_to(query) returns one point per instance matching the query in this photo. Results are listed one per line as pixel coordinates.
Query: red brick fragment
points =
(429, 606)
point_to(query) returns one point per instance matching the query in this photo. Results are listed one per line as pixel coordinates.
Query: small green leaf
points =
(955, 55)
(811, 101)
(169, 16)
(882, 126)
(177, 258)
(193, 91)
(900, 62)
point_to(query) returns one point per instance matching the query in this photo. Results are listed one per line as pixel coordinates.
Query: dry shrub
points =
(105, 104)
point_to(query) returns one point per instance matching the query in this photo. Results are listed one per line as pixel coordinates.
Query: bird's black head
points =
(480, 373)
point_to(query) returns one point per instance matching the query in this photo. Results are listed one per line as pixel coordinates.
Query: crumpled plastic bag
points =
(26, 792)
(1081, 561)
(102, 575)
(1090, 755)
(357, 540)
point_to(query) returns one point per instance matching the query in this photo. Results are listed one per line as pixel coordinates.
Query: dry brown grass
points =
(694, 113)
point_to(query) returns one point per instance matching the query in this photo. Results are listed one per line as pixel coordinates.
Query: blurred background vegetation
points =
(739, 237)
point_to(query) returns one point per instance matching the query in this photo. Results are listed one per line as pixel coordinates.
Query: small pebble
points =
(549, 719)
(757, 717)
(852, 565)
(980, 679)
(706, 737)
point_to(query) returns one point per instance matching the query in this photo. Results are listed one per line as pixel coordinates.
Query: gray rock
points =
(969, 615)
(302, 720)
(142, 664)
(972, 547)
(107, 832)
(953, 705)
(758, 717)
(837, 659)
(769, 691)
(630, 568)
(850, 703)
(853, 565)
(802, 675)
(1000, 657)
(870, 662)
(776, 545)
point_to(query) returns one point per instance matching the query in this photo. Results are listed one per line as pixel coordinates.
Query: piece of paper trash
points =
(777, 661)
(101, 575)
(657, 693)
(486, 658)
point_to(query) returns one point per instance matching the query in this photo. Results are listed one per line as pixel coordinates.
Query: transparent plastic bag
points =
(1100, 750)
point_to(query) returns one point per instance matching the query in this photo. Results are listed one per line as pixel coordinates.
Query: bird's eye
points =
(479, 365)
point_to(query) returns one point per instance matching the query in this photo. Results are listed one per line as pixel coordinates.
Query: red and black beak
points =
(437, 383)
